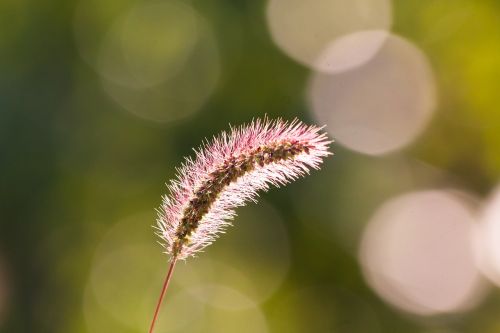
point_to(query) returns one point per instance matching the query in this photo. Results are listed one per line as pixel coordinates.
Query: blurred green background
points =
(101, 99)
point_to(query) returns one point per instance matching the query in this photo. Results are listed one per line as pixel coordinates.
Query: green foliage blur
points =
(74, 164)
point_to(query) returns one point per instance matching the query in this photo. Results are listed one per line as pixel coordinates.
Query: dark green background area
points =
(73, 163)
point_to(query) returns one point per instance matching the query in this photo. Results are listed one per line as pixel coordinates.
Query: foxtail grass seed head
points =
(226, 173)
(229, 171)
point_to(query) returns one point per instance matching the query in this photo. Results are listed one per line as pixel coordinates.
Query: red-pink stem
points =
(163, 291)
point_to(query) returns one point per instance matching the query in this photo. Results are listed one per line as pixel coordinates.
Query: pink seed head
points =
(229, 171)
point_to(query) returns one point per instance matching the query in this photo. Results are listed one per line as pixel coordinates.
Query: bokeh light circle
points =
(253, 258)
(381, 106)
(118, 281)
(318, 33)
(226, 309)
(417, 254)
(487, 238)
(350, 51)
(181, 305)
(157, 60)
(149, 44)
(126, 277)
(221, 296)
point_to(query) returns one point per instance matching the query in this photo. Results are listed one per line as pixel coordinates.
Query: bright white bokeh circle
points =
(321, 34)
(417, 254)
(381, 106)
(350, 51)
(487, 240)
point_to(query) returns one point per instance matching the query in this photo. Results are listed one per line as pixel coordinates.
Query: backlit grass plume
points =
(226, 173)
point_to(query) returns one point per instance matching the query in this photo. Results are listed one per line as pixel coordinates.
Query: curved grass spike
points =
(228, 172)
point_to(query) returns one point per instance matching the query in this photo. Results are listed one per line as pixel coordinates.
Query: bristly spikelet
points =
(229, 171)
